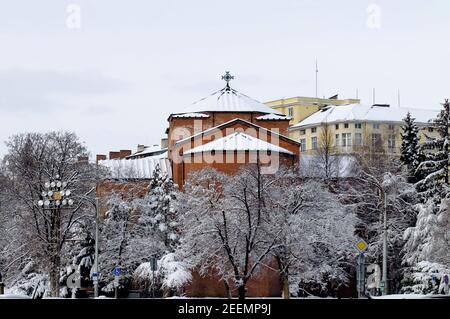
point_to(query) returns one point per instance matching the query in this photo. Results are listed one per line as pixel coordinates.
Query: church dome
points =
(228, 100)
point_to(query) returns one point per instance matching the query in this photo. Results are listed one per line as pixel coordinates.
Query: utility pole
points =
(384, 276)
(96, 248)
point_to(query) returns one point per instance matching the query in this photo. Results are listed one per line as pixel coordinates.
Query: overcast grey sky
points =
(115, 79)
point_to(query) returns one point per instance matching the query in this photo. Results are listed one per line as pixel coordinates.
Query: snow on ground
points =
(402, 296)
(12, 296)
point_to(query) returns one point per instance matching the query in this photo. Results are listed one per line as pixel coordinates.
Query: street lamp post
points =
(96, 248)
(385, 238)
(55, 196)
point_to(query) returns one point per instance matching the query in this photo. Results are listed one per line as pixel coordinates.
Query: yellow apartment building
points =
(300, 107)
(347, 128)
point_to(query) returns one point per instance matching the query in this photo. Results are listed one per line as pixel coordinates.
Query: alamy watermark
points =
(73, 18)
(373, 16)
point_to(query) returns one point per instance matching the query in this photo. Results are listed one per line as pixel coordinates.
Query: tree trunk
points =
(56, 258)
(54, 275)
(227, 289)
(286, 293)
(242, 291)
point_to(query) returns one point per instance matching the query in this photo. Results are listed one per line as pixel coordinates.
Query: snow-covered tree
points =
(33, 159)
(429, 239)
(157, 227)
(425, 278)
(116, 246)
(316, 234)
(157, 212)
(235, 226)
(136, 230)
(434, 167)
(410, 150)
(380, 184)
(224, 225)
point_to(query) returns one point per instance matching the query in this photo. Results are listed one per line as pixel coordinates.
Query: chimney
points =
(114, 155)
(124, 153)
(100, 157)
(140, 147)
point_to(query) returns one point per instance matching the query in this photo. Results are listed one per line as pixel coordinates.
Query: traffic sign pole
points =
(361, 247)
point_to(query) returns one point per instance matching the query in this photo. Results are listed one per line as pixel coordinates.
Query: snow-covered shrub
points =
(175, 272)
(424, 278)
(30, 282)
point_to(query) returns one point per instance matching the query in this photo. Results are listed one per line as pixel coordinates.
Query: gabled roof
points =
(366, 113)
(238, 141)
(227, 100)
(229, 123)
(148, 151)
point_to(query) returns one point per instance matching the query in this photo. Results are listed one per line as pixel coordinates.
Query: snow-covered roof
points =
(138, 168)
(273, 117)
(227, 100)
(212, 129)
(366, 113)
(196, 115)
(238, 141)
(148, 151)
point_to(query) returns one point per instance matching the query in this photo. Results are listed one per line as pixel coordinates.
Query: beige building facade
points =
(346, 129)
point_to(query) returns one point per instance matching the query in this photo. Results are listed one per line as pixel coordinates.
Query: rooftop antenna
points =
(317, 72)
(373, 96)
(357, 94)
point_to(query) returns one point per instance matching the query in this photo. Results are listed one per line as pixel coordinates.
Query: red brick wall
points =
(267, 283)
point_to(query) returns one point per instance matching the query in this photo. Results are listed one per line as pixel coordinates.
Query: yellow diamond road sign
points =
(361, 245)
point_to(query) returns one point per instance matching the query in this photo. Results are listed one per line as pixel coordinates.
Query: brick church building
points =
(224, 131)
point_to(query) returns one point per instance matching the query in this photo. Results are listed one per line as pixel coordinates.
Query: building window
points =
(313, 129)
(430, 130)
(290, 112)
(336, 126)
(358, 139)
(376, 140)
(346, 139)
(358, 125)
(337, 139)
(391, 127)
(302, 132)
(346, 125)
(302, 145)
(314, 143)
(391, 142)
(376, 126)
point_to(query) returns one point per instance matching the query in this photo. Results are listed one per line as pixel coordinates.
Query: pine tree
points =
(434, 168)
(157, 233)
(410, 150)
(157, 211)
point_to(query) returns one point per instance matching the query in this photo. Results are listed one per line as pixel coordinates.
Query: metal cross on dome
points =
(227, 77)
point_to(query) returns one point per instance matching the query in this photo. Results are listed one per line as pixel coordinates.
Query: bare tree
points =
(224, 225)
(328, 156)
(235, 226)
(32, 160)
